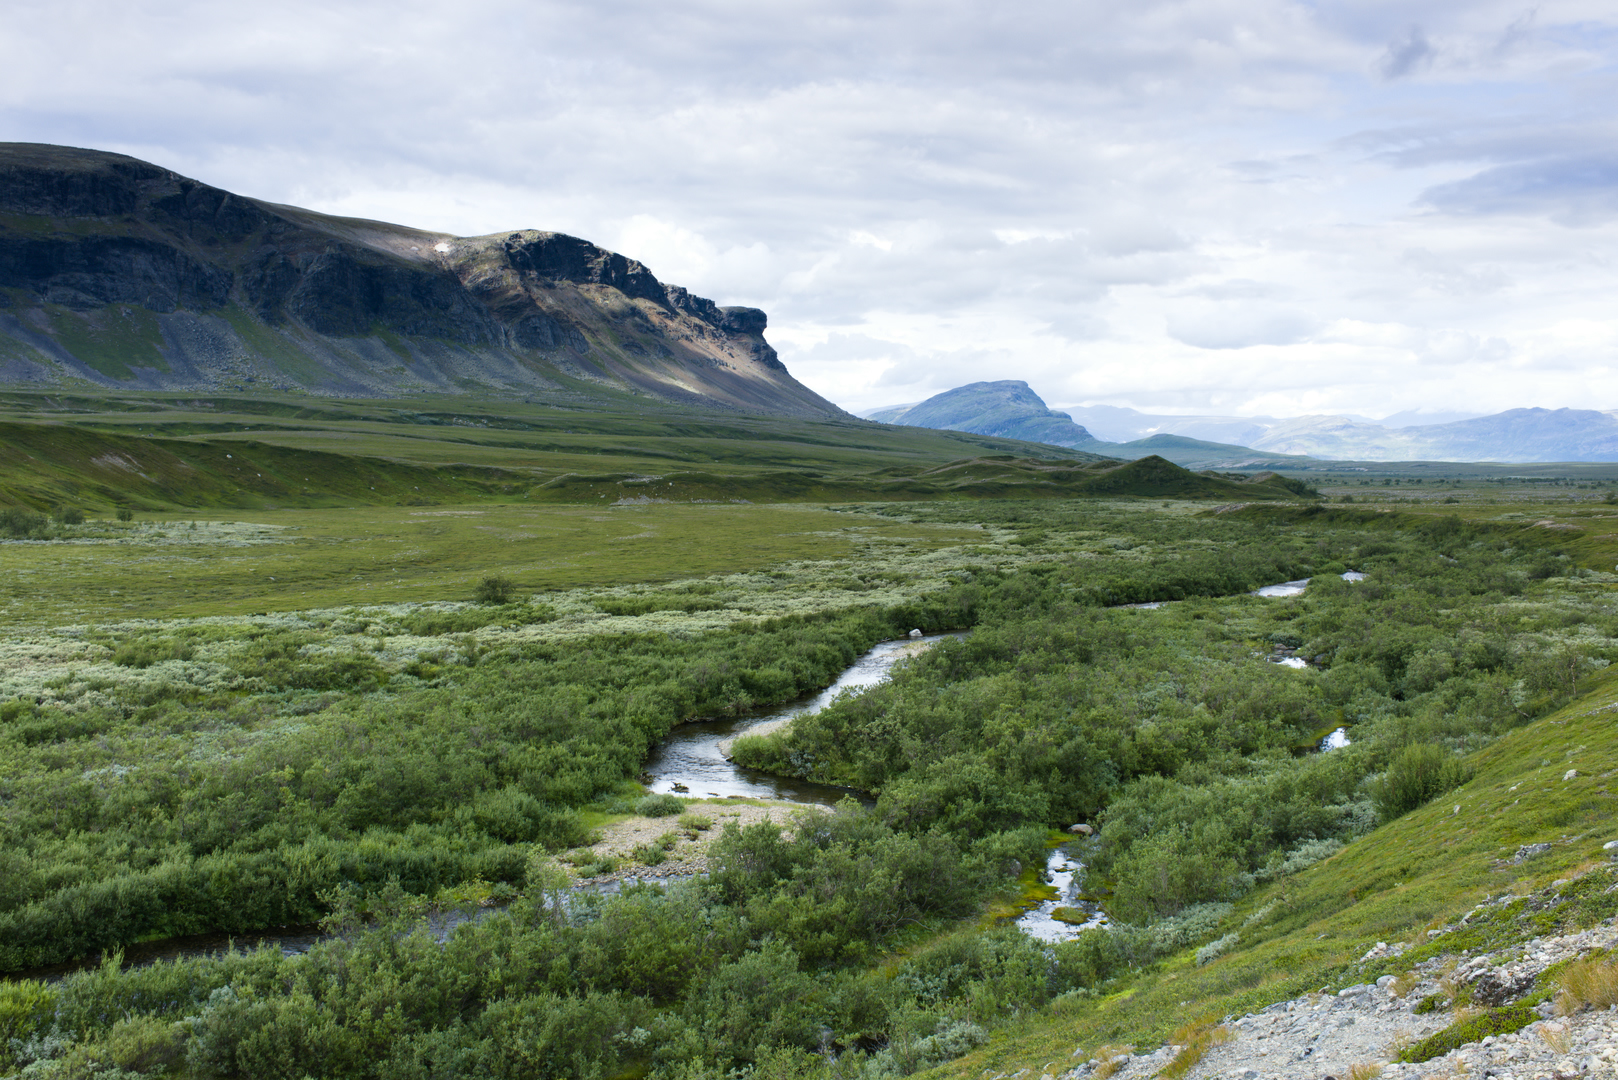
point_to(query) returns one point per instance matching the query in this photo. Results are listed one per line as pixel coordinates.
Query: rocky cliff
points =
(120, 273)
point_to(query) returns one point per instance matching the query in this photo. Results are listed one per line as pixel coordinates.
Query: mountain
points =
(1113, 423)
(1119, 425)
(1010, 409)
(117, 273)
(1518, 435)
(1007, 408)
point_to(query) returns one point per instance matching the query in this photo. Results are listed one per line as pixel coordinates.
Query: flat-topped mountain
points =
(118, 273)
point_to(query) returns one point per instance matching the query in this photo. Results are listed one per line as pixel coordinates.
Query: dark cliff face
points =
(358, 306)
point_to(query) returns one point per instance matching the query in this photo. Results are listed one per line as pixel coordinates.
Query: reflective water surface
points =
(1066, 873)
(692, 759)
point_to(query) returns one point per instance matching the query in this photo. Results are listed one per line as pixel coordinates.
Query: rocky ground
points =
(688, 853)
(1355, 1033)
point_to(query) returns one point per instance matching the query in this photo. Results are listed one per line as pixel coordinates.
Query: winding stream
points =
(692, 761)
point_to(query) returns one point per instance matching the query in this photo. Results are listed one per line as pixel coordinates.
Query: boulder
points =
(1081, 829)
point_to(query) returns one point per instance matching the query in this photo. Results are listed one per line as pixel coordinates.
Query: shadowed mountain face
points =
(1007, 408)
(118, 273)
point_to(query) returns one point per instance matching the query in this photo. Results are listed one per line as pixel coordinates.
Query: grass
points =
(1591, 983)
(1421, 871)
(1194, 1040)
(184, 566)
(110, 340)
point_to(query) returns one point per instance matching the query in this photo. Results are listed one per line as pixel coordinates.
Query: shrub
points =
(1215, 949)
(433, 623)
(1417, 774)
(125, 514)
(1172, 869)
(20, 523)
(70, 515)
(1491, 1022)
(647, 604)
(664, 805)
(25, 1010)
(495, 589)
(144, 652)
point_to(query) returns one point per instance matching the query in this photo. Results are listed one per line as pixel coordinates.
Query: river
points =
(692, 761)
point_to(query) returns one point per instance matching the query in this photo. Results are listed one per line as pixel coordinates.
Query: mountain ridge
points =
(118, 273)
(1516, 435)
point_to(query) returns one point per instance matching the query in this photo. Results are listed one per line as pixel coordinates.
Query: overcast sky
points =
(1230, 206)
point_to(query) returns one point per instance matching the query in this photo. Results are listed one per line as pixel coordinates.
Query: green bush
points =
(26, 1007)
(125, 514)
(1174, 868)
(1493, 1022)
(646, 604)
(20, 523)
(465, 620)
(664, 805)
(495, 589)
(70, 515)
(1417, 774)
(144, 652)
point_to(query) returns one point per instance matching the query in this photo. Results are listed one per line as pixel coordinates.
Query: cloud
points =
(1168, 203)
(1573, 190)
(1409, 52)
(1239, 325)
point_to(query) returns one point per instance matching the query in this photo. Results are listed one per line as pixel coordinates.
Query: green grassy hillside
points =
(1421, 872)
(154, 453)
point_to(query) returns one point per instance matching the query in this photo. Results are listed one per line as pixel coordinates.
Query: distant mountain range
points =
(1111, 423)
(1012, 409)
(119, 274)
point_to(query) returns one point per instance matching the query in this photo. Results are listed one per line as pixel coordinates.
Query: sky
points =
(1201, 206)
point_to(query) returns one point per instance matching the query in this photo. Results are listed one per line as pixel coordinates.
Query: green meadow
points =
(256, 672)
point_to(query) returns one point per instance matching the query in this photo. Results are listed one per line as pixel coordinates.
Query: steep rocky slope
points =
(119, 273)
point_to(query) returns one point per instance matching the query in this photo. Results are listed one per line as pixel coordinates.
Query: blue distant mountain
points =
(1010, 408)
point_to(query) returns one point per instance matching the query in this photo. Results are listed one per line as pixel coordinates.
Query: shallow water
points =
(1296, 588)
(692, 759)
(1064, 872)
(1286, 588)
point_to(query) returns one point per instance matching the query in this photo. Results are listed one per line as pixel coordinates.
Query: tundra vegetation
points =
(243, 755)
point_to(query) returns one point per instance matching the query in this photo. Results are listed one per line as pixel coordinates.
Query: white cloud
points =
(1201, 205)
